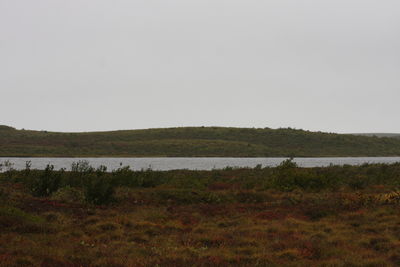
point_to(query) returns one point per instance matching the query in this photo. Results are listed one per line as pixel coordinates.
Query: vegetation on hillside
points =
(283, 216)
(392, 135)
(194, 142)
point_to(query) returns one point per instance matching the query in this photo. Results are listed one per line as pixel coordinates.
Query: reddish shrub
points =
(217, 186)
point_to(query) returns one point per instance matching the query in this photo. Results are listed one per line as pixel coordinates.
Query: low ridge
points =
(193, 142)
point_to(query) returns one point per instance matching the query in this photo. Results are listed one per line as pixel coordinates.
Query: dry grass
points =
(343, 228)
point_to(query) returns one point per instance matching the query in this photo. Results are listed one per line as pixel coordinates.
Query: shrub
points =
(82, 166)
(99, 190)
(8, 168)
(358, 182)
(287, 164)
(151, 178)
(124, 176)
(46, 182)
(69, 195)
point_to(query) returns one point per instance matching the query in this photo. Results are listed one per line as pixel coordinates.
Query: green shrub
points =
(46, 182)
(288, 177)
(151, 178)
(82, 166)
(124, 176)
(99, 190)
(287, 164)
(358, 182)
(69, 195)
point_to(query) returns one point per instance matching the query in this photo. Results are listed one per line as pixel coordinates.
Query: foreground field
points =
(285, 216)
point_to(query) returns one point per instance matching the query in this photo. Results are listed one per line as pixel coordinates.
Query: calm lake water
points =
(191, 163)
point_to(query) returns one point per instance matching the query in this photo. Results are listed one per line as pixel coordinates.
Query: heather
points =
(283, 216)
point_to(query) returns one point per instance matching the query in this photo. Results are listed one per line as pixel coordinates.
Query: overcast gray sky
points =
(83, 65)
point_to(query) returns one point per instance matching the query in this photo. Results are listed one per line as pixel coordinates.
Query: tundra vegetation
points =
(194, 142)
(282, 216)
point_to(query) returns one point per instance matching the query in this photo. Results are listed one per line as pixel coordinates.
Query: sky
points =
(91, 65)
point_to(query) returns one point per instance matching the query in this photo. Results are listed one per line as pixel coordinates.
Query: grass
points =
(193, 142)
(280, 216)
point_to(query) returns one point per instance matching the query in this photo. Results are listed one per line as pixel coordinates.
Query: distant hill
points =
(395, 135)
(194, 142)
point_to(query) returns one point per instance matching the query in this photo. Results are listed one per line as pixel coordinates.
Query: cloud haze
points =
(101, 65)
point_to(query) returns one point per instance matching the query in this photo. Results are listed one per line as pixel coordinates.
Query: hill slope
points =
(194, 142)
(393, 135)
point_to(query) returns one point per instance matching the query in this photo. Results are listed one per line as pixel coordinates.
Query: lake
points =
(191, 163)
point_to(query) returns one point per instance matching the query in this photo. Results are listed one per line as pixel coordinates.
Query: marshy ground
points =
(285, 216)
